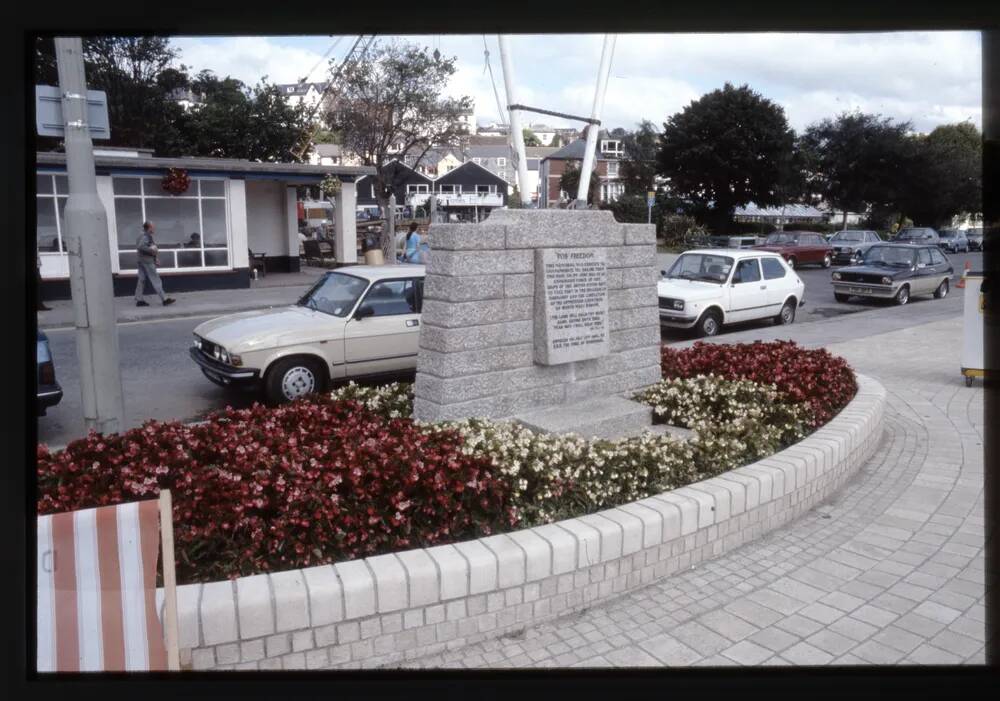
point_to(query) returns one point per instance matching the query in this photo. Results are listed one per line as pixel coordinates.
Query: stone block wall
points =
(477, 333)
(381, 610)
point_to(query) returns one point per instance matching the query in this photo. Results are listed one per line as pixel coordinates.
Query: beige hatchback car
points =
(355, 322)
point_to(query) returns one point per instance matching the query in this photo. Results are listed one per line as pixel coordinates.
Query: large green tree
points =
(637, 169)
(943, 175)
(530, 138)
(724, 150)
(392, 103)
(856, 162)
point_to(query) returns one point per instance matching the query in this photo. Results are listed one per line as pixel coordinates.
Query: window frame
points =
(418, 295)
(198, 198)
(739, 264)
(54, 198)
(777, 262)
(501, 162)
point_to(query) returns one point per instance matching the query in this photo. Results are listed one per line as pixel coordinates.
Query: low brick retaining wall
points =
(381, 610)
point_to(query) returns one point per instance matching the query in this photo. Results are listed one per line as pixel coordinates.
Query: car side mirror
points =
(365, 310)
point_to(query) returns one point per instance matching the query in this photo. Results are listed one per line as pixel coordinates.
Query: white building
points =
(234, 207)
(302, 93)
(544, 133)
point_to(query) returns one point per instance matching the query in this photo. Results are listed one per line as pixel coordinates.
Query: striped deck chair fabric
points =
(97, 590)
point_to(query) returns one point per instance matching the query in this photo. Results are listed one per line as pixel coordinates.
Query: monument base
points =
(608, 418)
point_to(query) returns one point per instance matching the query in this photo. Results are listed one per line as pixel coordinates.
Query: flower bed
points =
(822, 381)
(349, 475)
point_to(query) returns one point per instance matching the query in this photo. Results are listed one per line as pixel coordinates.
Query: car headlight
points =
(224, 356)
(678, 304)
(197, 342)
(836, 276)
(886, 280)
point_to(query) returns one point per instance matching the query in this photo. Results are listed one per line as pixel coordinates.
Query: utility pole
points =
(517, 136)
(595, 114)
(89, 256)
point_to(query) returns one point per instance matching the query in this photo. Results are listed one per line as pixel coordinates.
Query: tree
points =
(637, 169)
(392, 103)
(725, 150)
(856, 161)
(530, 139)
(943, 175)
(569, 182)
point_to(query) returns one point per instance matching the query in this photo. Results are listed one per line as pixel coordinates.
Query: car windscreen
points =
(334, 293)
(890, 256)
(915, 234)
(849, 236)
(707, 267)
(774, 239)
(946, 234)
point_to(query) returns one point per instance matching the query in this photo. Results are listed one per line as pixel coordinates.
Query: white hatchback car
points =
(358, 321)
(707, 288)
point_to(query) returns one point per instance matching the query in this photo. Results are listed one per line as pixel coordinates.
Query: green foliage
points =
(570, 182)
(672, 228)
(856, 161)
(529, 138)
(944, 175)
(637, 169)
(726, 149)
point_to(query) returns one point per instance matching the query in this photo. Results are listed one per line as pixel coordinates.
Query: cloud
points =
(925, 77)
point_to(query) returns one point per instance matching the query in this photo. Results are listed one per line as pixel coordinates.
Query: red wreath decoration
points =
(176, 181)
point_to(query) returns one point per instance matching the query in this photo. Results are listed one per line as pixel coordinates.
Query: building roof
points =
(300, 88)
(791, 211)
(232, 166)
(479, 140)
(489, 151)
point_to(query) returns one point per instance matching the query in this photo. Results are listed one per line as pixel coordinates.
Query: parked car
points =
(47, 390)
(849, 245)
(895, 271)
(735, 240)
(975, 237)
(799, 248)
(705, 289)
(953, 241)
(917, 235)
(355, 322)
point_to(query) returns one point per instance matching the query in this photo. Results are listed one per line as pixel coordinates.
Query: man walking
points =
(146, 267)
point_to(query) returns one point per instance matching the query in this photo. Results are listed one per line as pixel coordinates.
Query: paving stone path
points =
(888, 571)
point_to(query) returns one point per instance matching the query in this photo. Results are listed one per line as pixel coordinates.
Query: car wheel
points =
(791, 262)
(903, 296)
(827, 260)
(840, 297)
(710, 323)
(292, 378)
(942, 290)
(787, 314)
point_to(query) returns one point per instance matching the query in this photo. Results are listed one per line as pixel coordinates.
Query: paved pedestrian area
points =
(889, 571)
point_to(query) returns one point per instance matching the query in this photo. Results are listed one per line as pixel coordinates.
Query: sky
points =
(926, 78)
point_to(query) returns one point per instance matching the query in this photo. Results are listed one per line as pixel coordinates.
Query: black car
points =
(895, 271)
(922, 234)
(48, 391)
(954, 241)
(850, 245)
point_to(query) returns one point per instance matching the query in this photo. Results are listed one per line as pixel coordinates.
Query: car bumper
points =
(844, 258)
(49, 395)
(226, 374)
(677, 320)
(864, 289)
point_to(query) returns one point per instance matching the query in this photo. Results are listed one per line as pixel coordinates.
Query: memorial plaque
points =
(571, 304)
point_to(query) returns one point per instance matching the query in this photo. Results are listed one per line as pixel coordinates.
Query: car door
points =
(941, 266)
(819, 247)
(777, 283)
(386, 339)
(748, 292)
(924, 280)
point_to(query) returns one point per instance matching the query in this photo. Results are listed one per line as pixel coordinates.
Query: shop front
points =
(205, 233)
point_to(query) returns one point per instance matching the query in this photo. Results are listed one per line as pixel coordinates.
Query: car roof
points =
(893, 244)
(382, 272)
(736, 253)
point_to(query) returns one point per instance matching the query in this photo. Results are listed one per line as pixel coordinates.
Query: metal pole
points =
(390, 222)
(86, 240)
(516, 135)
(602, 85)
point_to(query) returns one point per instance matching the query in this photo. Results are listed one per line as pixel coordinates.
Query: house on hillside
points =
(607, 157)
(780, 216)
(186, 98)
(302, 93)
(544, 132)
(437, 161)
(326, 155)
(404, 180)
(496, 158)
